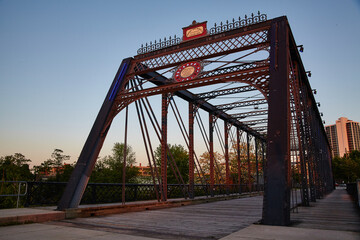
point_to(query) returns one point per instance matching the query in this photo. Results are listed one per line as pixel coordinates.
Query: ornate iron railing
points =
(49, 193)
(228, 26)
(159, 45)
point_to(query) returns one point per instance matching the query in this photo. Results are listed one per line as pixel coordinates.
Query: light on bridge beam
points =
(314, 91)
(301, 48)
(318, 104)
(321, 114)
(308, 73)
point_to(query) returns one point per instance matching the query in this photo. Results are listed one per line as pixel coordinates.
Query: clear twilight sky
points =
(59, 57)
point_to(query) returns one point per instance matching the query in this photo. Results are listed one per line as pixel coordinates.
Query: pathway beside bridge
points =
(334, 217)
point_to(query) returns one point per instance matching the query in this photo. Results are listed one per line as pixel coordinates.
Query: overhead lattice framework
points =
(246, 73)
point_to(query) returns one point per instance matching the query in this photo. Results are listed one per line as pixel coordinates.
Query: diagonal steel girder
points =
(241, 104)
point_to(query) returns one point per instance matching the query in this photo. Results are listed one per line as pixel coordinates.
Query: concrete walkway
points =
(333, 218)
(38, 231)
(262, 232)
(335, 212)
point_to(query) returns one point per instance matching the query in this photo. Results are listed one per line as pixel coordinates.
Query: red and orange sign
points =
(195, 30)
(187, 71)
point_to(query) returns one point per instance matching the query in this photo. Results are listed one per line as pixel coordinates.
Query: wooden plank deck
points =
(203, 221)
(215, 220)
(335, 212)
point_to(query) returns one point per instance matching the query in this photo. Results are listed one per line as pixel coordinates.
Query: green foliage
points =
(54, 167)
(110, 168)
(347, 169)
(13, 168)
(220, 168)
(65, 173)
(181, 158)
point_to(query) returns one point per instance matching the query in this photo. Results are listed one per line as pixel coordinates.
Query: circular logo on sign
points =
(187, 71)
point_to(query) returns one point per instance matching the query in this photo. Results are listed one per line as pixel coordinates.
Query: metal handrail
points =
(18, 194)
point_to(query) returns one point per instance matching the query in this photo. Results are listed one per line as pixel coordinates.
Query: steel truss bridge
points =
(246, 92)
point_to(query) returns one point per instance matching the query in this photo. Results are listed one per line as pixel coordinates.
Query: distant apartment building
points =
(344, 136)
(144, 171)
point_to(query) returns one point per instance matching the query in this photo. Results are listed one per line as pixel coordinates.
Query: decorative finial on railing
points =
(239, 23)
(158, 45)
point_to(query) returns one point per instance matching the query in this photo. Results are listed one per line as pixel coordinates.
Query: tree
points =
(13, 168)
(244, 162)
(347, 168)
(52, 167)
(58, 158)
(181, 158)
(219, 168)
(110, 168)
(219, 165)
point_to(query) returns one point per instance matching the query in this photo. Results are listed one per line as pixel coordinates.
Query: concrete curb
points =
(32, 218)
(39, 215)
(91, 211)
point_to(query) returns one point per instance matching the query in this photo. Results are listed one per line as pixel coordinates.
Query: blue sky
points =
(58, 59)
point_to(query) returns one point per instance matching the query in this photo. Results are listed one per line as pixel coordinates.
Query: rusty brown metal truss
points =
(255, 72)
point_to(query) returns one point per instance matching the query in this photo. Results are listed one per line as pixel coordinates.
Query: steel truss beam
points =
(254, 122)
(229, 91)
(252, 76)
(207, 47)
(186, 95)
(241, 104)
(249, 114)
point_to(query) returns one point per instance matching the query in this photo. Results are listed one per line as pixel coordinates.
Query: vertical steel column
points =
(263, 147)
(319, 169)
(191, 150)
(300, 113)
(80, 176)
(124, 157)
(331, 181)
(276, 210)
(248, 161)
(211, 147)
(311, 153)
(227, 169)
(307, 141)
(304, 173)
(257, 164)
(164, 154)
(238, 157)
